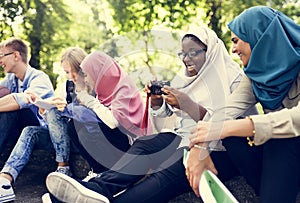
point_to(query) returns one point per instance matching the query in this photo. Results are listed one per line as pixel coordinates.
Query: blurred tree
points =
(43, 23)
(139, 17)
(9, 12)
(219, 13)
(98, 30)
(46, 26)
(143, 15)
(52, 25)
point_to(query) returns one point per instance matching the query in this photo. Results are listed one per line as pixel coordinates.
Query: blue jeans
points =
(12, 123)
(40, 137)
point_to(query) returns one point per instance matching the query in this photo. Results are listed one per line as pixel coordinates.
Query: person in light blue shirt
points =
(15, 110)
(53, 137)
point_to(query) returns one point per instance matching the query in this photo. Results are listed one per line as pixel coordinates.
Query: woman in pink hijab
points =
(115, 90)
(113, 118)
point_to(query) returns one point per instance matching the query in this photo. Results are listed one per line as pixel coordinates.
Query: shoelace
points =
(91, 175)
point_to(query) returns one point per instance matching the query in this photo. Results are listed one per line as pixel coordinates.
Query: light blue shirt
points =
(35, 81)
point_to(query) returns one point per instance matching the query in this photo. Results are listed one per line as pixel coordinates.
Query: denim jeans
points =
(12, 123)
(42, 138)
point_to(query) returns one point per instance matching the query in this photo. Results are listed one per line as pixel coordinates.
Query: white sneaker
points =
(7, 193)
(64, 170)
(46, 198)
(91, 175)
(68, 190)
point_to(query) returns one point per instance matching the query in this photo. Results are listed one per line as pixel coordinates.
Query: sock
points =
(4, 181)
(66, 167)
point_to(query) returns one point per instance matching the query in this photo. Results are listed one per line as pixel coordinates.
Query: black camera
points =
(70, 89)
(157, 85)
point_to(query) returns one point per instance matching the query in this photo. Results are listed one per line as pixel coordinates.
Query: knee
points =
(29, 132)
(55, 119)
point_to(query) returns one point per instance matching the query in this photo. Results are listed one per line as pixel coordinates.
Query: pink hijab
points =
(116, 90)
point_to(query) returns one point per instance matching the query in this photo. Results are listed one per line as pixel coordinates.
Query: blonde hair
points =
(74, 56)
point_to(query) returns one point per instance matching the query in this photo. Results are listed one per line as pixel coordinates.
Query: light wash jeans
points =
(40, 137)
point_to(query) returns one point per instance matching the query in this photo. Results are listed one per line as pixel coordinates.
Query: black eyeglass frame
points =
(2, 55)
(191, 54)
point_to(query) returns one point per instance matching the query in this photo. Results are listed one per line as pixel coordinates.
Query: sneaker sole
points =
(8, 198)
(46, 198)
(67, 189)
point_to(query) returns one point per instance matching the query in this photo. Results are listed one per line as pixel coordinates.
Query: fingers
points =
(61, 107)
(196, 140)
(214, 170)
(200, 133)
(60, 103)
(197, 135)
(30, 96)
(147, 88)
(195, 185)
(194, 182)
(57, 101)
(169, 90)
(41, 111)
(187, 173)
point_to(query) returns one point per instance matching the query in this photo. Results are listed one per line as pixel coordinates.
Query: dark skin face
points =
(195, 63)
(193, 55)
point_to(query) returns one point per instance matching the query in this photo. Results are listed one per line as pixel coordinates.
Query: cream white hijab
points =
(212, 84)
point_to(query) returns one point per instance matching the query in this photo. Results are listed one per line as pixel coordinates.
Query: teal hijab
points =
(275, 59)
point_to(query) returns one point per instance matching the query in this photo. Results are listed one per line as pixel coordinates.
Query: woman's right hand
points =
(156, 100)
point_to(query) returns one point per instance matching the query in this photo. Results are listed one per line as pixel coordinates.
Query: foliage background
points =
(143, 35)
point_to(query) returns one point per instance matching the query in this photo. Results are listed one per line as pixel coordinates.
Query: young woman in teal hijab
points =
(275, 44)
(268, 44)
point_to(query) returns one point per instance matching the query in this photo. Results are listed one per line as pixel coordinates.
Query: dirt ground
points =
(30, 185)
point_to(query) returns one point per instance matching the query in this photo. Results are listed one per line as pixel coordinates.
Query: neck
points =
(20, 74)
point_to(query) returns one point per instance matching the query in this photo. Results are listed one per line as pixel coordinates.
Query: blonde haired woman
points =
(54, 135)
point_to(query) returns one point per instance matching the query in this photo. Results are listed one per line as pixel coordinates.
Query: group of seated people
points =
(208, 110)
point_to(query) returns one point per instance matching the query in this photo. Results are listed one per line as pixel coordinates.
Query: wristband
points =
(251, 139)
(206, 148)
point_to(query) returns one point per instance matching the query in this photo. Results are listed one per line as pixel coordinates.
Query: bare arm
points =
(8, 103)
(280, 124)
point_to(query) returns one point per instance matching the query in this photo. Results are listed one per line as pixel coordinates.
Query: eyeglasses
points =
(191, 54)
(2, 55)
